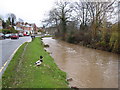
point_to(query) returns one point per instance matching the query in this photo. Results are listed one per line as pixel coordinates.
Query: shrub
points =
(6, 31)
(71, 39)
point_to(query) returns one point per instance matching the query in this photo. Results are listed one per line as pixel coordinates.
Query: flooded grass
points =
(23, 73)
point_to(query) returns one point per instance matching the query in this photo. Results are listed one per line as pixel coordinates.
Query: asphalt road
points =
(8, 47)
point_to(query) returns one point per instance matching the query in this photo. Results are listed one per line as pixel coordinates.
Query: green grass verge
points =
(22, 72)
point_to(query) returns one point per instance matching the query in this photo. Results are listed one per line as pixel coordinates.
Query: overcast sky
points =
(31, 11)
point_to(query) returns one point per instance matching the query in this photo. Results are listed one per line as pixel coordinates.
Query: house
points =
(1, 24)
(19, 26)
(35, 28)
(25, 28)
(28, 29)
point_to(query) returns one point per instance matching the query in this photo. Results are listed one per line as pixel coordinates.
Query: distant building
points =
(51, 30)
(1, 24)
(26, 28)
(35, 28)
(19, 26)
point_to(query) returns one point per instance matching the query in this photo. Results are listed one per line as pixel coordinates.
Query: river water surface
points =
(89, 68)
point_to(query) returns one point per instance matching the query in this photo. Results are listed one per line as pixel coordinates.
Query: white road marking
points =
(9, 59)
(6, 63)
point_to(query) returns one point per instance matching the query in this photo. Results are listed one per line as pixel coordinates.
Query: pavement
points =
(8, 48)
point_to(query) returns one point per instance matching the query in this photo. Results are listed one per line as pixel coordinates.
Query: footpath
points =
(23, 73)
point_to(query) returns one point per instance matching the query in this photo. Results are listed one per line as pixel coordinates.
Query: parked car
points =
(14, 36)
(7, 35)
(26, 34)
(21, 35)
(2, 36)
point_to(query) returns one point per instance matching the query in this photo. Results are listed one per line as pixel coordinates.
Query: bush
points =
(6, 31)
(71, 39)
(103, 43)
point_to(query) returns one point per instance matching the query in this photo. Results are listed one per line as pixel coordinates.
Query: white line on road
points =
(3, 68)
(6, 63)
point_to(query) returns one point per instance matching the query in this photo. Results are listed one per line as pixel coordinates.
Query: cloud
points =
(28, 10)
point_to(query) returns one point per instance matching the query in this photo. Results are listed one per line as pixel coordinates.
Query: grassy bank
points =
(22, 72)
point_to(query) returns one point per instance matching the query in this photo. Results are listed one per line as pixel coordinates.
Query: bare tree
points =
(99, 13)
(12, 18)
(59, 16)
(63, 11)
(82, 14)
(20, 20)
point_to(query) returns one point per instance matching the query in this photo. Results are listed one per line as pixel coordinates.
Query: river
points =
(88, 68)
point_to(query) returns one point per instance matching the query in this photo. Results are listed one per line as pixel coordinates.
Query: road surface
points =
(8, 47)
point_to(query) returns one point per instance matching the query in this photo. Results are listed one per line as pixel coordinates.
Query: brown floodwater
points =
(88, 68)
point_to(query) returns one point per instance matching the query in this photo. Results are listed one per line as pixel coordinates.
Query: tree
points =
(12, 18)
(3, 24)
(20, 20)
(63, 13)
(8, 23)
(98, 13)
(81, 10)
(59, 16)
(52, 20)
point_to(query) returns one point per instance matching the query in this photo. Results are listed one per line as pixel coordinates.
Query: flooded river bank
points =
(89, 68)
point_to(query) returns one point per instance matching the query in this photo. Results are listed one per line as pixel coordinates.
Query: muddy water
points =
(89, 68)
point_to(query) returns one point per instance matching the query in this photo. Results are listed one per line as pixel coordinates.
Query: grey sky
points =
(31, 11)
